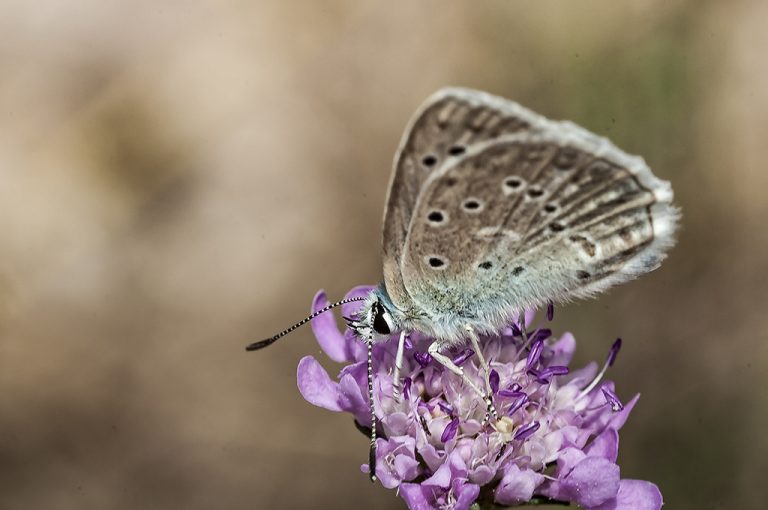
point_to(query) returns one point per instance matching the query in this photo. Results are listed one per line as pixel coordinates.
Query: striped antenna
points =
(255, 346)
(372, 451)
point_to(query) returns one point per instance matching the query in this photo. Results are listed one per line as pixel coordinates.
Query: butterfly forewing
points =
(531, 217)
(446, 126)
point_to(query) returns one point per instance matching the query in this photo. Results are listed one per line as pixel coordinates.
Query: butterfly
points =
(493, 209)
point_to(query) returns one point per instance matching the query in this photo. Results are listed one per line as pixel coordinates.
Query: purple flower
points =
(448, 488)
(556, 438)
(397, 461)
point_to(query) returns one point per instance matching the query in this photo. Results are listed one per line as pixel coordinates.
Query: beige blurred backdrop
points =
(179, 178)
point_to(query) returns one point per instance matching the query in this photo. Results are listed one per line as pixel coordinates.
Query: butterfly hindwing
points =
(551, 214)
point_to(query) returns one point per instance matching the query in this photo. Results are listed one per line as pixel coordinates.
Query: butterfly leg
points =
(488, 397)
(434, 351)
(396, 387)
(487, 371)
(476, 346)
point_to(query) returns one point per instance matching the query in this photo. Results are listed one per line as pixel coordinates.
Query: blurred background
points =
(178, 179)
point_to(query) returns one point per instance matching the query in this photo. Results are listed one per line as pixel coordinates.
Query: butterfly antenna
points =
(372, 451)
(255, 346)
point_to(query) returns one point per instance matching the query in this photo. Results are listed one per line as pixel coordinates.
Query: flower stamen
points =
(527, 431)
(450, 430)
(612, 399)
(608, 362)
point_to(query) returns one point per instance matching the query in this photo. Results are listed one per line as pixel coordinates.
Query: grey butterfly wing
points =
(443, 128)
(554, 214)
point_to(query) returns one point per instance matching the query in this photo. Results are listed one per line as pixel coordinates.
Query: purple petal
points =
(407, 468)
(527, 431)
(331, 340)
(396, 461)
(606, 418)
(482, 474)
(614, 352)
(354, 399)
(582, 376)
(562, 350)
(450, 430)
(605, 445)
(422, 358)
(534, 354)
(467, 494)
(550, 310)
(447, 408)
(357, 349)
(350, 309)
(416, 496)
(396, 423)
(592, 482)
(359, 371)
(316, 386)
(618, 419)
(408, 343)
(452, 466)
(432, 457)
(463, 357)
(634, 495)
(493, 380)
(612, 399)
(517, 486)
(567, 460)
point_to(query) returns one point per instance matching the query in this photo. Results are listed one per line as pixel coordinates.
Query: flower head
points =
(556, 437)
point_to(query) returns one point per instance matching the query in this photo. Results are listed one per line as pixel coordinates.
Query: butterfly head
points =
(378, 319)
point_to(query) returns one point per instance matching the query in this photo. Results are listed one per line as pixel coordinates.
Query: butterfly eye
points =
(381, 323)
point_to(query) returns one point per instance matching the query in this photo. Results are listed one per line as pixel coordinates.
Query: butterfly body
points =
(493, 209)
